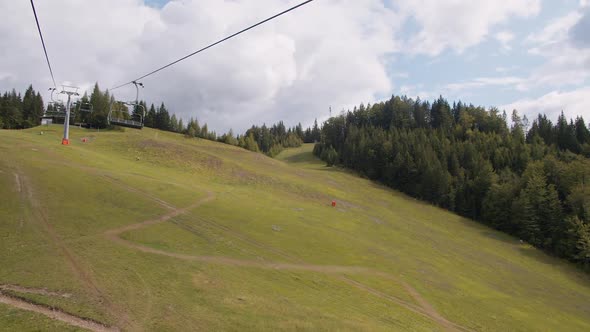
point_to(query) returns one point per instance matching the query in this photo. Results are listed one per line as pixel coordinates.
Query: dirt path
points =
(115, 181)
(113, 234)
(425, 309)
(429, 309)
(39, 216)
(18, 183)
(39, 291)
(410, 306)
(54, 314)
(148, 299)
(249, 240)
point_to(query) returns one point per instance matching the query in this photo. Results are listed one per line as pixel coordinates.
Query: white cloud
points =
(506, 81)
(579, 33)
(502, 69)
(572, 103)
(584, 3)
(414, 91)
(504, 37)
(555, 32)
(460, 24)
(326, 53)
(566, 63)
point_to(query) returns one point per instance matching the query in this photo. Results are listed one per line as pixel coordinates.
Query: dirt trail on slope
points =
(249, 240)
(40, 216)
(423, 303)
(148, 299)
(38, 291)
(18, 183)
(410, 306)
(109, 177)
(114, 233)
(115, 181)
(424, 308)
(54, 314)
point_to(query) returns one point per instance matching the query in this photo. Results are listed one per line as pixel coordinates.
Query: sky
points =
(529, 55)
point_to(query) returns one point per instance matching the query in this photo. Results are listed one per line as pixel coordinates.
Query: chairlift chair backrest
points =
(136, 120)
(85, 107)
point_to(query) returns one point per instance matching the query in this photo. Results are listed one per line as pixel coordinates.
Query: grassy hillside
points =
(146, 230)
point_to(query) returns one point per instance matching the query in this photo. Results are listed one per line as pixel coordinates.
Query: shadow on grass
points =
(303, 157)
(497, 235)
(575, 273)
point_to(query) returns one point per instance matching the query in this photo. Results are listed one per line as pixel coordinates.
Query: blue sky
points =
(156, 3)
(487, 59)
(529, 55)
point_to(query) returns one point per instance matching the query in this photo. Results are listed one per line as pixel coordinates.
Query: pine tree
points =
(150, 118)
(566, 135)
(174, 124)
(315, 132)
(230, 139)
(180, 126)
(440, 115)
(101, 103)
(162, 120)
(250, 143)
(551, 213)
(582, 132)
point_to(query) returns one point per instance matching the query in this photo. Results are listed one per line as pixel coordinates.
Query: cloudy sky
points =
(532, 55)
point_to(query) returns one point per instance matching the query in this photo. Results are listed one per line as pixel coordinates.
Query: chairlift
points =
(81, 107)
(58, 109)
(137, 118)
(84, 107)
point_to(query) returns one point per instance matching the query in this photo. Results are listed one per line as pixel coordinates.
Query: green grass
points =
(264, 211)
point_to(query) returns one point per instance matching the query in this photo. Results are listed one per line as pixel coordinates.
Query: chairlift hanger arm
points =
(137, 84)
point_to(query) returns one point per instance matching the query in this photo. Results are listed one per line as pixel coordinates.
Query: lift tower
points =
(69, 91)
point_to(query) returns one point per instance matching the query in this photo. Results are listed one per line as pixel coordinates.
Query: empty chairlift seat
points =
(126, 123)
(135, 122)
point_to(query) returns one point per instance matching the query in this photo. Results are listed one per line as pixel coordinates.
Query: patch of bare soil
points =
(18, 182)
(54, 314)
(39, 291)
(429, 309)
(40, 218)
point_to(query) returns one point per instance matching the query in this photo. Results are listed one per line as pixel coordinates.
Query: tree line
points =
(269, 140)
(18, 112)
(528, 182)
(21, 111)
(272, 140)
(527, 179)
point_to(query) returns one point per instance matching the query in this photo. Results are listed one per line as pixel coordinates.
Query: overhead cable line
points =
(43, 42)
(211, 45)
